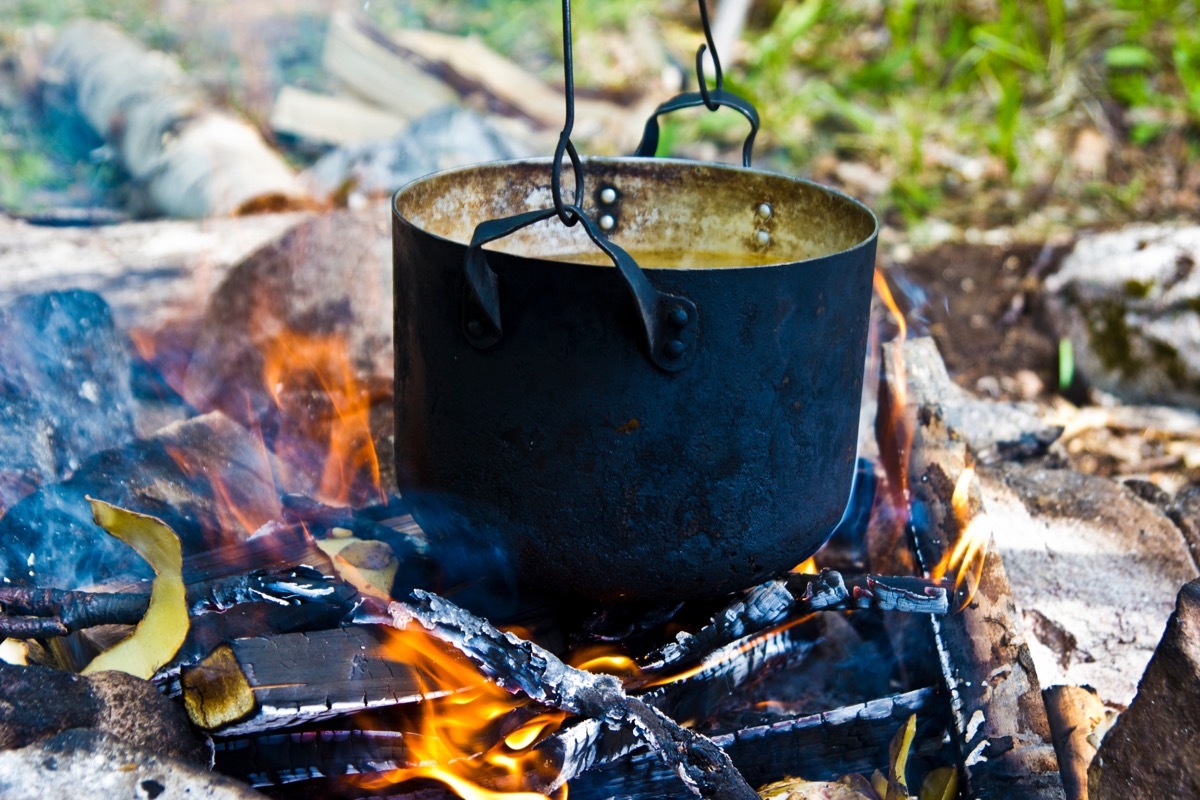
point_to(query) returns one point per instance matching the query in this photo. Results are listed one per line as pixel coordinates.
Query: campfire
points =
(257, 546)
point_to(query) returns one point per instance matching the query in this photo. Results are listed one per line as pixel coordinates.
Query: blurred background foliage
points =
(972, 113)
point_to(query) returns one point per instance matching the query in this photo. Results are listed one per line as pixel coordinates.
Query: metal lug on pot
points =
(674, 343)
(479, 333)
(606, 222)
(608, 195)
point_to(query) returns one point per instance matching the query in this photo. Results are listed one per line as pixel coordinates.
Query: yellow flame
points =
(896, 439)
(806, 567)
(462, 743)
(966, 558)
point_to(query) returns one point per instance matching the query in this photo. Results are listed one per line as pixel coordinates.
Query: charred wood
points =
(819, 747)
(28, 613)
(776, 601)
(521, 666)
(999, 718)
(270, 682)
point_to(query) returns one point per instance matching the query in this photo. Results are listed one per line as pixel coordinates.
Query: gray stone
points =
(1094, 570)
(90, 765)
(224, 489)
(64, 388)
(39, 702)
(1151, 750)
(1130, 302)
(446, 138)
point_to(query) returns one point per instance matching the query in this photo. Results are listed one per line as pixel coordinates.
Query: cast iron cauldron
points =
(693, 443)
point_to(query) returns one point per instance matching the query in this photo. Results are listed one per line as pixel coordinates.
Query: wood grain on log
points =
(999, 717)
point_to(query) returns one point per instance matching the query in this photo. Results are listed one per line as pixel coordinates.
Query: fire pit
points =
(642, 548)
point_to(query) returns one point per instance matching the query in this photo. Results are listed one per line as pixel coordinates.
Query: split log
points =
(521, 666)
(332, 120)
(1000, 720)
(1075, 713)
(270, 682)
(191, 159)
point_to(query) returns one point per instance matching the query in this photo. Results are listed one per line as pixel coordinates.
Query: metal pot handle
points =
(668, 322)
(711, 100)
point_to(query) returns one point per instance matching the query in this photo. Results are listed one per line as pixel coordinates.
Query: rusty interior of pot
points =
(666, 213)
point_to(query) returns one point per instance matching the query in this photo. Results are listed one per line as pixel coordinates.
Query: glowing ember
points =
(965, 559)
(467, 740)
(604, 659)
(724, 655)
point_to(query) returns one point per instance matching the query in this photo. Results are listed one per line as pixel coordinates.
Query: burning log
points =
(192, 160)
(1000, 721)
(521, 666)
(269, 682)
(773, 602)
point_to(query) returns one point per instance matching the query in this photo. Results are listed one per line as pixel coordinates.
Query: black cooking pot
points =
(683, 429)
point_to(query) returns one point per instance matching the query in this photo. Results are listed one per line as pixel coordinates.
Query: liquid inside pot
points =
(673, 259)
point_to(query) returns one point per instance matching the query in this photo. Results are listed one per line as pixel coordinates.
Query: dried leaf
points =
(897, 788)
(366, 564)
(940, 784)
(879, 783)
(797, 789)
(161, 632)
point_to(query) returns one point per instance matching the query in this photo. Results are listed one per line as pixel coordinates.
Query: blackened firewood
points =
(274, 759)
(296, 678)
(696, 694)
(522, 666)
(773, 602)
(1000, 722)
(27, 613)
(818, 747)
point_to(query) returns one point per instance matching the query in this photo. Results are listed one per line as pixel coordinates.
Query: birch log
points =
(191, 159)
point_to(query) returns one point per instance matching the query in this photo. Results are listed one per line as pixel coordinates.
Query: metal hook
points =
(567, 213)
(711, 47)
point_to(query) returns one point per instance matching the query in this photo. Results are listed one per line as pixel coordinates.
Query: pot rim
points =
(682, 162)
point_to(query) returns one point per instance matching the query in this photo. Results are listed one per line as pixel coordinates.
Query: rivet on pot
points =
(608, 195)
(762, 237)
(764, 210)
(674, 348)
(678, 318)
(475, 328)
(607, 223)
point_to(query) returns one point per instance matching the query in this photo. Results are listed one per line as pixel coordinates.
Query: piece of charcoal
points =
(64, 388)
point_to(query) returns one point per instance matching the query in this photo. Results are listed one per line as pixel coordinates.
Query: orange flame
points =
(895, 432)
(464, 742)
(324, 406)
(605, 659)
(966, 558)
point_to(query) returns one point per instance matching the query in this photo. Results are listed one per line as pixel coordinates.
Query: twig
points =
(31, 613)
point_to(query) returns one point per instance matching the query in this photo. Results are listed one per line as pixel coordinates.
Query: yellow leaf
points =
(897, 786)
(161, 632)
(940, 784)
(366, 564)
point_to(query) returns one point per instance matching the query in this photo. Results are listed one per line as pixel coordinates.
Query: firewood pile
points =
(195, 492)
